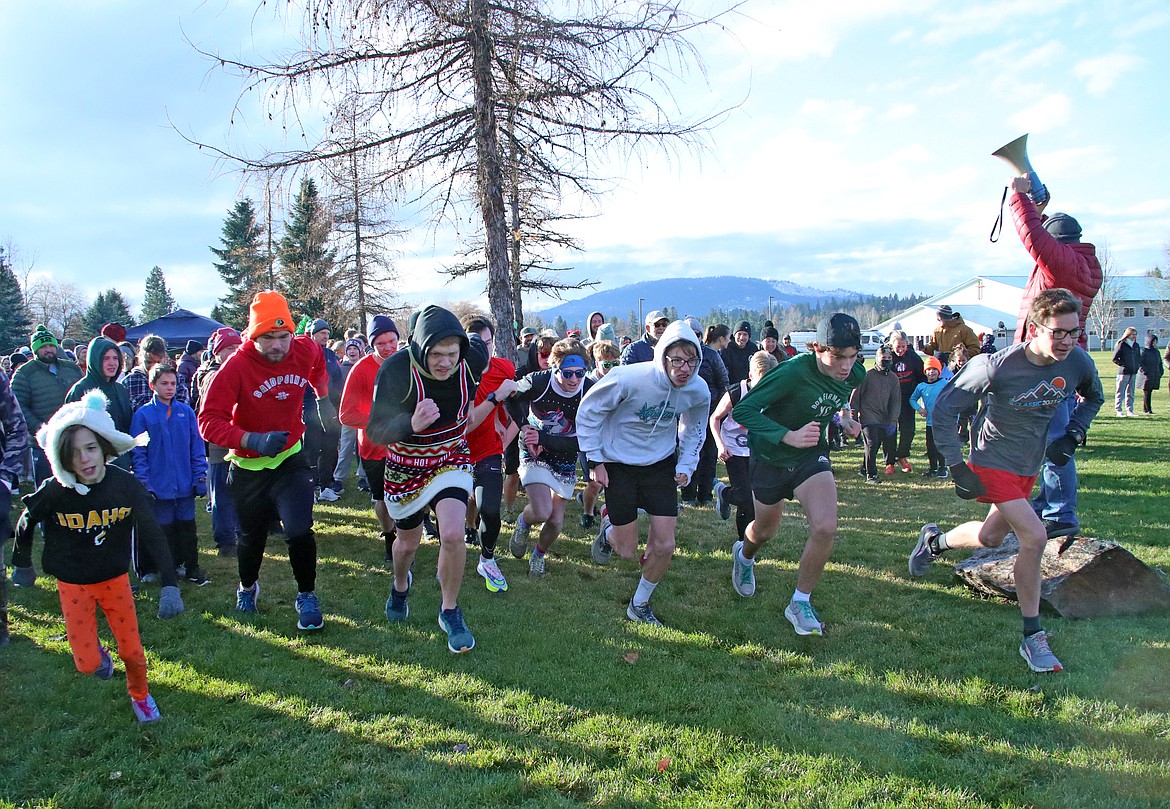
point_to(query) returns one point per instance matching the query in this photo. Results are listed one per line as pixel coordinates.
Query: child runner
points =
(172, 467)
(626, 428)
(548, 446)
(355, 413)
(786, 416)
(922, 400)
(422, 400)
(90, 511)
(485, 442)
(606, 356)
(1021, 388)
(732, 444)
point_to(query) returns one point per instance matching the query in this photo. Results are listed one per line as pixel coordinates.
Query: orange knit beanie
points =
(268, 312)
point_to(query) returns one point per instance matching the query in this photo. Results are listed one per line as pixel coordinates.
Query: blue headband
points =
(572, 361)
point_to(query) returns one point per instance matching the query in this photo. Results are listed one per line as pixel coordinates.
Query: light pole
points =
(639, 325)
(769, 307)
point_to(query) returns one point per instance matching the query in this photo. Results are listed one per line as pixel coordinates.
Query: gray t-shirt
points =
(1019, 400)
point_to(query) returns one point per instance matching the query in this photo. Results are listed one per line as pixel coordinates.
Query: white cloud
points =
(1102, 74)
(1045, 115)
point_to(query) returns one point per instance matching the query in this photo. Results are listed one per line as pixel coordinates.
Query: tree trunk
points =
(489, 175)
(359, 269)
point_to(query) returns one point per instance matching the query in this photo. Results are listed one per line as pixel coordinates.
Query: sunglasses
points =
(572, 373)
(544, 354)
(607, 364)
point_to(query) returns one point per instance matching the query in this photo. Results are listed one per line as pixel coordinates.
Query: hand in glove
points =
(170, 603)
(967, 484)
(1061, 450)
(200, 488)
(326, 411)
(267, 444)
(24, 576)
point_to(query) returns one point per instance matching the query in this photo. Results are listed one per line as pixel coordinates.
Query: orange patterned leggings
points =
(79, 603)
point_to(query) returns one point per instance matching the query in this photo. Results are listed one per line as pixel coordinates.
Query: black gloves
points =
(967, 484)
(326, 411)
(1061, 450)
(267, 444)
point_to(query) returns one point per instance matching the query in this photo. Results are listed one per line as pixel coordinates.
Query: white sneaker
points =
(493, 579)
(328, 496)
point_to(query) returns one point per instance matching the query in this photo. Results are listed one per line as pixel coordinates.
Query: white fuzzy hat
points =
(89, 412)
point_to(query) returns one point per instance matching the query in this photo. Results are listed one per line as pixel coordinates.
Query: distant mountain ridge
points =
(691, 296)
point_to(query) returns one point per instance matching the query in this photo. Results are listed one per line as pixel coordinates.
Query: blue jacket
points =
(639, 351)
(174, 460)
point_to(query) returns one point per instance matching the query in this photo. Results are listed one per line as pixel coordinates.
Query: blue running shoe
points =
(397, 608)
(145, 710)
(309, 612)
(106, 670)
(246, 599)
(459, 637)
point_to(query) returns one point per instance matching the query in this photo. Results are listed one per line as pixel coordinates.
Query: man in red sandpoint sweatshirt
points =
(253, 407)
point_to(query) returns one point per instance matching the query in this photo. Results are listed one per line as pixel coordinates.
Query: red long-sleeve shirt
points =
(250, 394)
(355, 405)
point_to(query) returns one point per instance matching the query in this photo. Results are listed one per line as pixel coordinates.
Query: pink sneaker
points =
(145, 710)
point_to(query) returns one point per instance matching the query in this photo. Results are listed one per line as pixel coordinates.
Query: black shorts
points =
(512, 457)
(416, 519)
(648, 487)
(376, 477)
(771, 484)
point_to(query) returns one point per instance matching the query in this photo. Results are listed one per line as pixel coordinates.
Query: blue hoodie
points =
(629, 415)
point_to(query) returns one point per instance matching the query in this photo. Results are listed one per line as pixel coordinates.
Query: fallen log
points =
(1091, 578)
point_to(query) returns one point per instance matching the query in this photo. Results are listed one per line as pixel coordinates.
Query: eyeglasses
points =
(607, 364)
(572, 373)
(679, 362)
(1060, 334)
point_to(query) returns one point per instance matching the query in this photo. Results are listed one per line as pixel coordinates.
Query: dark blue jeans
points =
(225, 525)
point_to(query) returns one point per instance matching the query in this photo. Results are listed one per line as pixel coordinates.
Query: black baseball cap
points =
(839, 331)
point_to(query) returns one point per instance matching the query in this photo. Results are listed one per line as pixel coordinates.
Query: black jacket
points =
(1127, 358)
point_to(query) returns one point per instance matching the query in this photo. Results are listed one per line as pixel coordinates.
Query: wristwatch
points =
(491, 397)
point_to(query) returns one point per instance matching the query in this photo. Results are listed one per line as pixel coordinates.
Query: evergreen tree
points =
(306, 263)
(108, 307)
(242, 263)
(158, 300)
(15, 321)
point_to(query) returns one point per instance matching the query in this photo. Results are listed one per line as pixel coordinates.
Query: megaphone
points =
(1015, 154)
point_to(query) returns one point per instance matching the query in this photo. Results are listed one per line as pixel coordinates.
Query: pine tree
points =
(241, 264)
(158, 300)
(15, 321)
(108, 307)
(306, 263)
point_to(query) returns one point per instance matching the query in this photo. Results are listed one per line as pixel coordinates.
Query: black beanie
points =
(769, 330)
(194, 347)
(743, 325)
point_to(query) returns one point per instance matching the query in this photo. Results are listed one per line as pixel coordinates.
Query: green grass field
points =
(915, 697)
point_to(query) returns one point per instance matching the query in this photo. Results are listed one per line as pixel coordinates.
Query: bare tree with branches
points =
(1105, 310)
(432, 77)
(59, 305)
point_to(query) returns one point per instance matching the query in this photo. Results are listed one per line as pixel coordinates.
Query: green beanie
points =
(42, 337)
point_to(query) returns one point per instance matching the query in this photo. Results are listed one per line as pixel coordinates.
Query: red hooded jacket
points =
(1068, 265)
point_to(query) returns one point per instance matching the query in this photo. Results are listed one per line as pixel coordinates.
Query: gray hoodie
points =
(629, 416)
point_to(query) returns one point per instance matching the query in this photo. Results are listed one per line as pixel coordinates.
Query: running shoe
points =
(587, 521)
(519, 543)
(721, 504)
(145, 710)
(493, 579)
(536, 564)
(397, 608)
(804, 618)
(891, 469)
(309, 612)
(924, 552)
(196, 577)
(327, 495)
(743, 577)
(246, 599)
(471, 537)
(459, 637)
(106, 670)
(602, 550)
(1036, 652)
(642, 614)
(905, 464)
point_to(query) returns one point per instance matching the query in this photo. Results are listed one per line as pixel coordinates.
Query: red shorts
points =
(1003, 487)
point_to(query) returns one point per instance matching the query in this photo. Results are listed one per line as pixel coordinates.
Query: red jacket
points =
(484, 440)
(249, 394)
(355, 405)
(1072, 266)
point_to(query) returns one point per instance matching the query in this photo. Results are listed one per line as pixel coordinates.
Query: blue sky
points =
(858, 158)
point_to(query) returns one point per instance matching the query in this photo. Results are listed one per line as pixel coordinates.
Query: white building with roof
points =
(987, 303)
(991, 303)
